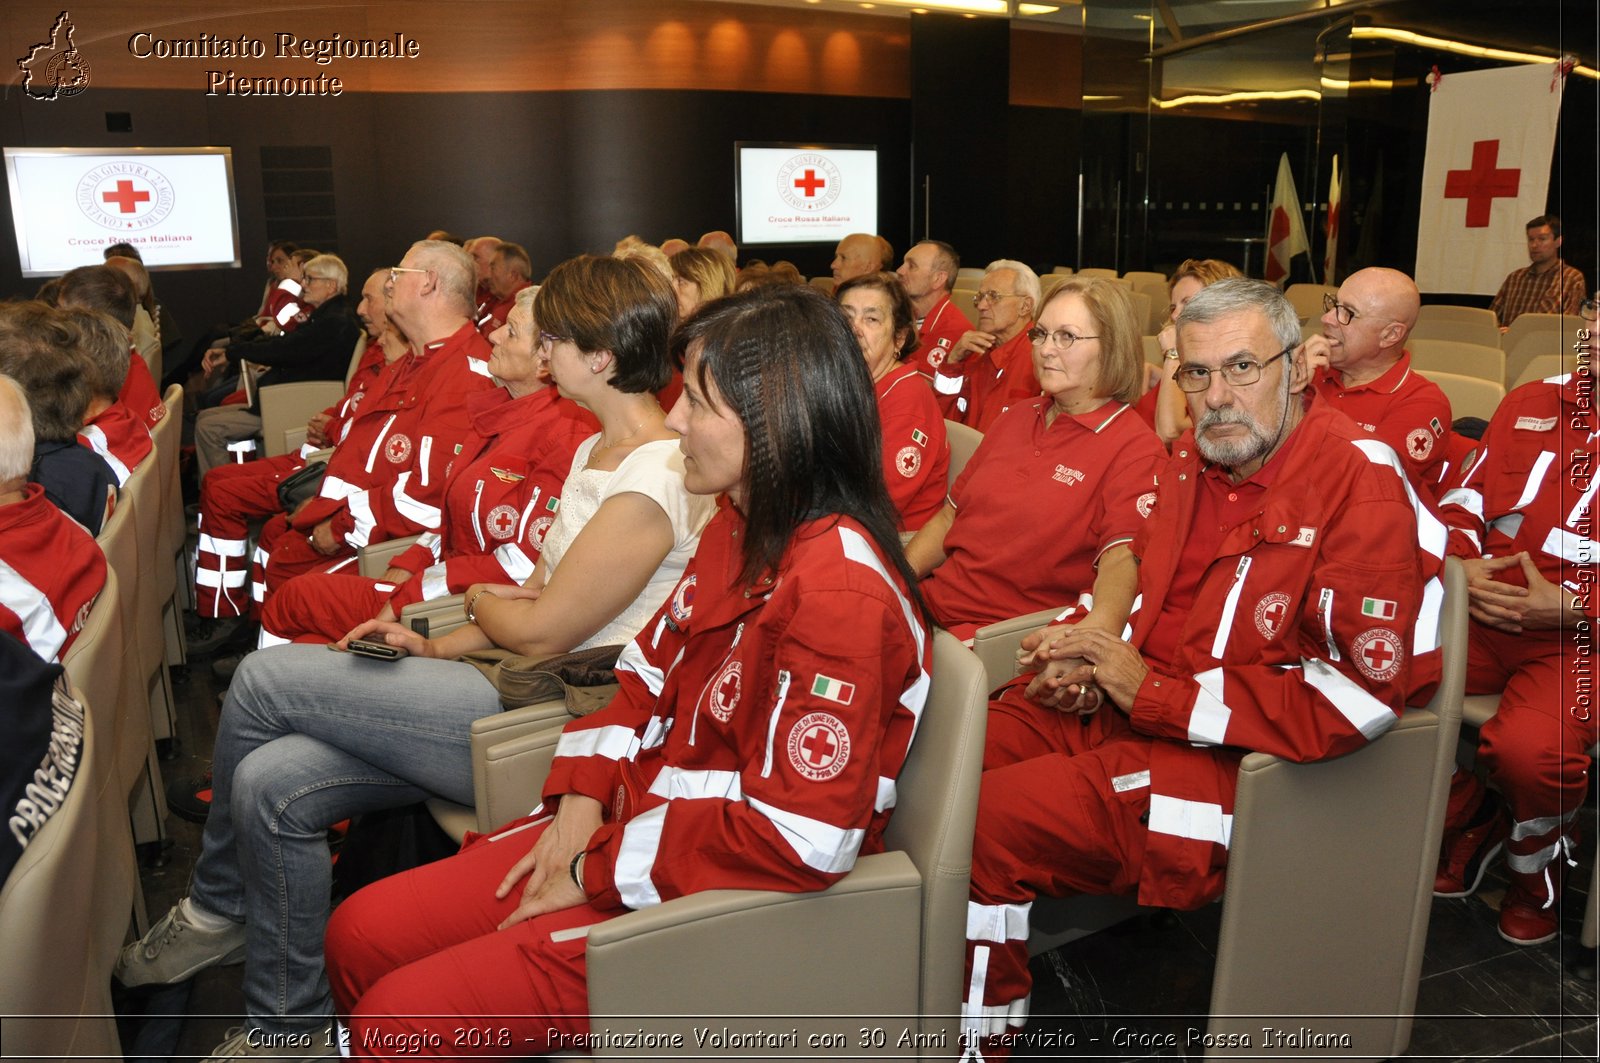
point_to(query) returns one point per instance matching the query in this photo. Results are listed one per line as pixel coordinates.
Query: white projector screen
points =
(805, 193)
(176, 205)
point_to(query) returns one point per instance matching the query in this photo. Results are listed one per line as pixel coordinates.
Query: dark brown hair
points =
(611, 304)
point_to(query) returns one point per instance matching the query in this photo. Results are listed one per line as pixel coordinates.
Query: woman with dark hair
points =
(763, 715)
(995, 550)
(916, 454)
(308, 738)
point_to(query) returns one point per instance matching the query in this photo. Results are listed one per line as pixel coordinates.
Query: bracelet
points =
(576, 871)
(472, 618)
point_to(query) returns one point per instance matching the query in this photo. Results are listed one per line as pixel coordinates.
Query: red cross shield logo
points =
(723, 696)
(398, 449)
(536, 532)
(502, 522)
(819, 746)
(1271, 611)
(1419, 441)
(1377, 654)
(908, 461)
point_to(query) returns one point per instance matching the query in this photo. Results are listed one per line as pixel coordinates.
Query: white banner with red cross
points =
(1491, 135)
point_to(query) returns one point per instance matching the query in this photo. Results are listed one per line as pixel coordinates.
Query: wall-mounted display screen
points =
(805, 193)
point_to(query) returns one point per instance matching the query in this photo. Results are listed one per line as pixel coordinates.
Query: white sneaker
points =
(176, 949)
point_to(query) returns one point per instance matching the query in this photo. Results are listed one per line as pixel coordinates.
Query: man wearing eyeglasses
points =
(991, 366)
(1546, 285)
(394, 487)
(1369, 374)
(1283, 611)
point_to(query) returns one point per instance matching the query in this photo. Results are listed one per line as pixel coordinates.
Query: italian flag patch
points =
(836, 690)
(919, 437)
(553, 503)
(1378, 608)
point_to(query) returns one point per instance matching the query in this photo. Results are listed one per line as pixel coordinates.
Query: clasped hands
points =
(1080, 668)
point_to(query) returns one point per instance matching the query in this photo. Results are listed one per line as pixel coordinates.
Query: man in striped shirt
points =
(1547, 285)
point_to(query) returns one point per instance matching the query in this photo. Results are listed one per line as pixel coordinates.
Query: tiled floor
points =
(1479, 996)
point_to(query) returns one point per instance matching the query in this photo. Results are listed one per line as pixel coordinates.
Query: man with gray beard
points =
(1290, 597)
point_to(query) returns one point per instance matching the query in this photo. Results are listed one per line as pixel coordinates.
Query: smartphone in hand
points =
(380, 650)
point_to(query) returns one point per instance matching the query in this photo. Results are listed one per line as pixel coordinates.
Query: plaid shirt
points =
(1557, 291)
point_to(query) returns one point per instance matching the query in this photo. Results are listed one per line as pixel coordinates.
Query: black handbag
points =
(295, 489)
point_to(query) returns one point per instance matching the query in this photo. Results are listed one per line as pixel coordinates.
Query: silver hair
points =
(456, 272)
(1027, 279)
(16, 432)
(1238, 294)
(330, 266)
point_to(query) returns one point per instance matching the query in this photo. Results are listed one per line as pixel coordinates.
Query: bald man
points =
(1369, 374)
(717, 240)
(859, 254)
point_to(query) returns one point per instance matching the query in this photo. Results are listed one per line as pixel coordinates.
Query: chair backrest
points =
(825, 284)
(1049, 283)
(169, 442)
(1307, 299)
(1544, 335)
(1544, 366)
(1528, 324)
(936, 812)
(120, 543)
(94, 662)
(966, 300)
(1337, 857)
(1064, 271)
(55, 983)
(1098, 271)
(289, 406)
(1464, 324)
(964, 440)
(969, 273)
(1454, 356)
(1469, 396)
(1154, 287)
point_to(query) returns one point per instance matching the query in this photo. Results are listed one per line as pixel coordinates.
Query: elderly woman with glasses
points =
(916, 454)
(1044, 512)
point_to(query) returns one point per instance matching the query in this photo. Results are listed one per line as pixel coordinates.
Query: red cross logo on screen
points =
(125, 197)
(1481, 185)
(810, 183)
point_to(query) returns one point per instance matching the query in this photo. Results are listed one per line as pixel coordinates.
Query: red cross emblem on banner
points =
(125, 197)
(810, 183)
(1481, 185)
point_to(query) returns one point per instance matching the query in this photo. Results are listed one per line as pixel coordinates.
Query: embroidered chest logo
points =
(1067, 475)
(1419, 442)
(1145, 503)
(682, 604)
(938, 353)
(503, 522)
(1271, 611)
(398, 449)
(1377, 654)
(819, 746)
(537, 530)
(908, 461)
(725, 690)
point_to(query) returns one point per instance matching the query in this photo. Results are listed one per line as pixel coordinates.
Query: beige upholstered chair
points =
(1097, 272)
(1459, 324)
(964, 442)
(1534, 334)
(1330, 875)
(1469, 396)
(285, 408)
(1543, 367)
(1454, 356)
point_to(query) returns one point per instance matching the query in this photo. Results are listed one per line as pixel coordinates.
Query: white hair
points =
(1027, 279)
(16, 431)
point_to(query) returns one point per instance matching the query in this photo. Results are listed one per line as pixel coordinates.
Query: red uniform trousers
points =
(1536, 746)
(417, 954)
(231, 496)
(289, 553)
(1038, 762)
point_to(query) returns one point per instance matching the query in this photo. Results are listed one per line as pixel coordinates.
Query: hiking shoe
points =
(176, 949)
(190, 798)
(209, 634)
(1466, 854)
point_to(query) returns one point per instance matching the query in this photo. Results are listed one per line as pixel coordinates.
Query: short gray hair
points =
(1238, 294)
(457, 274)
(1027, 279)
(16, 431)
(332, 267)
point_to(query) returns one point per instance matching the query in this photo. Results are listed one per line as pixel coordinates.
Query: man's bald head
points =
(859, 254)
(717, 240)
(1382, 306)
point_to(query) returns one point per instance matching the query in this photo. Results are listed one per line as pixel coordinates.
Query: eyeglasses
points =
(395, 270)
(1239, 373)
(1063, 339)
(1346, 314)
(993, 297)
(547, 340)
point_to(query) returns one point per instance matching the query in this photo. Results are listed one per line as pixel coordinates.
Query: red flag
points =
(1330, 253)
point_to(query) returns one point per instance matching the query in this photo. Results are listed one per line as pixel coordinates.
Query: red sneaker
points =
(1531, 911)
(1465, 855)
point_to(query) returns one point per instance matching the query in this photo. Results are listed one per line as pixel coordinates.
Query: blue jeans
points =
(309, 738)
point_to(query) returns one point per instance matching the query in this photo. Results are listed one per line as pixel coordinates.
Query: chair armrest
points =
(511, 762)
(286, 406)
(438, 616)
(375, 557)
(996, 644)
(319, 455)
(877, 905)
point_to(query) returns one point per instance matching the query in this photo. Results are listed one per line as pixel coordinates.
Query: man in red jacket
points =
(991, 366)
(1284, 611)
(927, 274)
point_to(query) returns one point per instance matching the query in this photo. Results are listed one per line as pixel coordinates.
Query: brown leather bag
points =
(585, 679)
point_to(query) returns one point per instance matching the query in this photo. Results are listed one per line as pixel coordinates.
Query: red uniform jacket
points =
(916, 454)
(501, 494)
(944, 325)
(759, 731)
(139, 391)
(387, 478)
(119, 436)
(1306, 636)
(1404, 409)
(985, 384)
(493, 313)
(1532, 487)
(51, 571)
